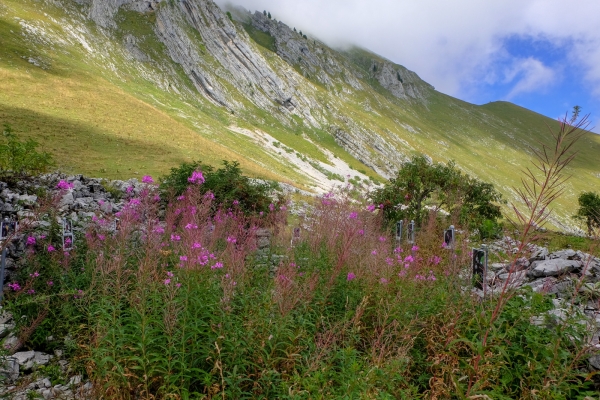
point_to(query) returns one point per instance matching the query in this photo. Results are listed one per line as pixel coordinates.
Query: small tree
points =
(20, 159)
(589, 210)
(419, 182)
(269, 15)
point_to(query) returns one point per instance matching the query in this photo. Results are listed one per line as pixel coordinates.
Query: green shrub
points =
(20, 159)
(420, 182)
(229, 186)
(589, 210)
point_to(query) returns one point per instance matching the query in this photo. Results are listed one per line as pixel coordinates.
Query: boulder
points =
(553, 267)
(9, 368)
(25, 359)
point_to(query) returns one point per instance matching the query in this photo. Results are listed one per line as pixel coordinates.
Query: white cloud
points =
(530, 75)
(452, 45)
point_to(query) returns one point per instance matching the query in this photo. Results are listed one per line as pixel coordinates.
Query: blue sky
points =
(540, 75)
(540, 54)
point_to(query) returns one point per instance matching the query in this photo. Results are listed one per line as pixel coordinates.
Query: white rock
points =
(553, 267)
(25, 359)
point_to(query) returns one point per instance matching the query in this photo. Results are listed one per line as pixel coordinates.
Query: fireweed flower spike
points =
(64, 185)
(31, 241)
(196, 177)
(147, 179)
(351, 276)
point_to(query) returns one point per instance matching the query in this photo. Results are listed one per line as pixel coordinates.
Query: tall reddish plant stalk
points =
(541, 186)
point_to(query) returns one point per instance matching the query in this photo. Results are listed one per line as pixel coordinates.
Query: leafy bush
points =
(589, 210)
(229, 186)
(20, 159)
(419, 183)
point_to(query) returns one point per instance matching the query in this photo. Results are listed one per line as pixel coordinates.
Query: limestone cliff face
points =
(225, 53)
(227, 68)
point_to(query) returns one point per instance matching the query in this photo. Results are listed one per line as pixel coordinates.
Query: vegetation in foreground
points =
(195, 304)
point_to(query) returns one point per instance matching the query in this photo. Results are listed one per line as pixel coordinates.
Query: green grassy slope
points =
(102, 113)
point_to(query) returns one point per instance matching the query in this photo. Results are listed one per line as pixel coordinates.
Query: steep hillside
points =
(119, 87)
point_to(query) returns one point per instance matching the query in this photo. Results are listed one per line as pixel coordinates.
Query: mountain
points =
(115, 88)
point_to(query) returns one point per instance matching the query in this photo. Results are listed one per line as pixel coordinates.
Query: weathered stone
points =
(553, 267)
(495, 267)
(9, 368)
(25, 359)
(67, 200)
(563, 254)
(41, 358)
(595, 362)
(539, 254)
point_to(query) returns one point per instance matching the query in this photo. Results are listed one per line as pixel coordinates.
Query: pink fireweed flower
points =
(31, 291)
(374, 252)
(159, 230)
(382, 238)
(147, 179)
(129, 189)
(231, 239)
(167, 281)
(236, 202)
(156, 198)
(361, 232)
(50, 283)
(196, 246)
(415, 248)
(353, 215)
(261, 213)
(402, 274)
(271, 207)
(35, 274)
(183, 258)
(170, 274)
(175, 238)
(371, 207)
(51, 248)
(31, 241)
(64, 185)
(350, 276)
(135, 202)
(42, 237)
(389, 261)
(283, 208)
(431, 276)
(409, 259)
(191, 226)
(436, 260)
(101, 237)
(14, 286)
(444, 245)
(182, 197)
(196, 178)
(209, 195)
(178, 285)
(383, 281)
(217, 265)
(398, 250)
